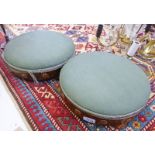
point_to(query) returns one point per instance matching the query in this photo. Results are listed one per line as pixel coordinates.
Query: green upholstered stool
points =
(104, 88)
(38, 54)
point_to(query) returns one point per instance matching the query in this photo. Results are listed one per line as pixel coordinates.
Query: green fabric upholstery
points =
(38, 50)
(105, 85)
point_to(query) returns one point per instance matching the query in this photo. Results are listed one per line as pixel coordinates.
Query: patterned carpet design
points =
(43, 104)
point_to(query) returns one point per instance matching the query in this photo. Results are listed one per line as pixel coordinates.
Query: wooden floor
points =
(11, 119)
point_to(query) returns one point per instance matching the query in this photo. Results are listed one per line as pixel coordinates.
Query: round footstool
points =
(38, 55)
(104, 88)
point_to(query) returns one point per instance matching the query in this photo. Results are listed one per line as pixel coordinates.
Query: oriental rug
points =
(43, 105)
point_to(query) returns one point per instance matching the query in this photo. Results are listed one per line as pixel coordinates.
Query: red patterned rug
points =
(43, 104)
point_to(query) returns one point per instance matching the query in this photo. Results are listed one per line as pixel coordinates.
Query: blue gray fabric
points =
(38, 50)
(105, 85)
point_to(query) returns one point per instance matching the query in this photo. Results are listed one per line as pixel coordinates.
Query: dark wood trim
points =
(98, 121)
(39, 76)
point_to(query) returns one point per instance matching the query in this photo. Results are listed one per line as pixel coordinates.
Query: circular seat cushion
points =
(38, 51)
(105, 85)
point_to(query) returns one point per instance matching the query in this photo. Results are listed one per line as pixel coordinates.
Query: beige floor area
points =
(11, 118)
